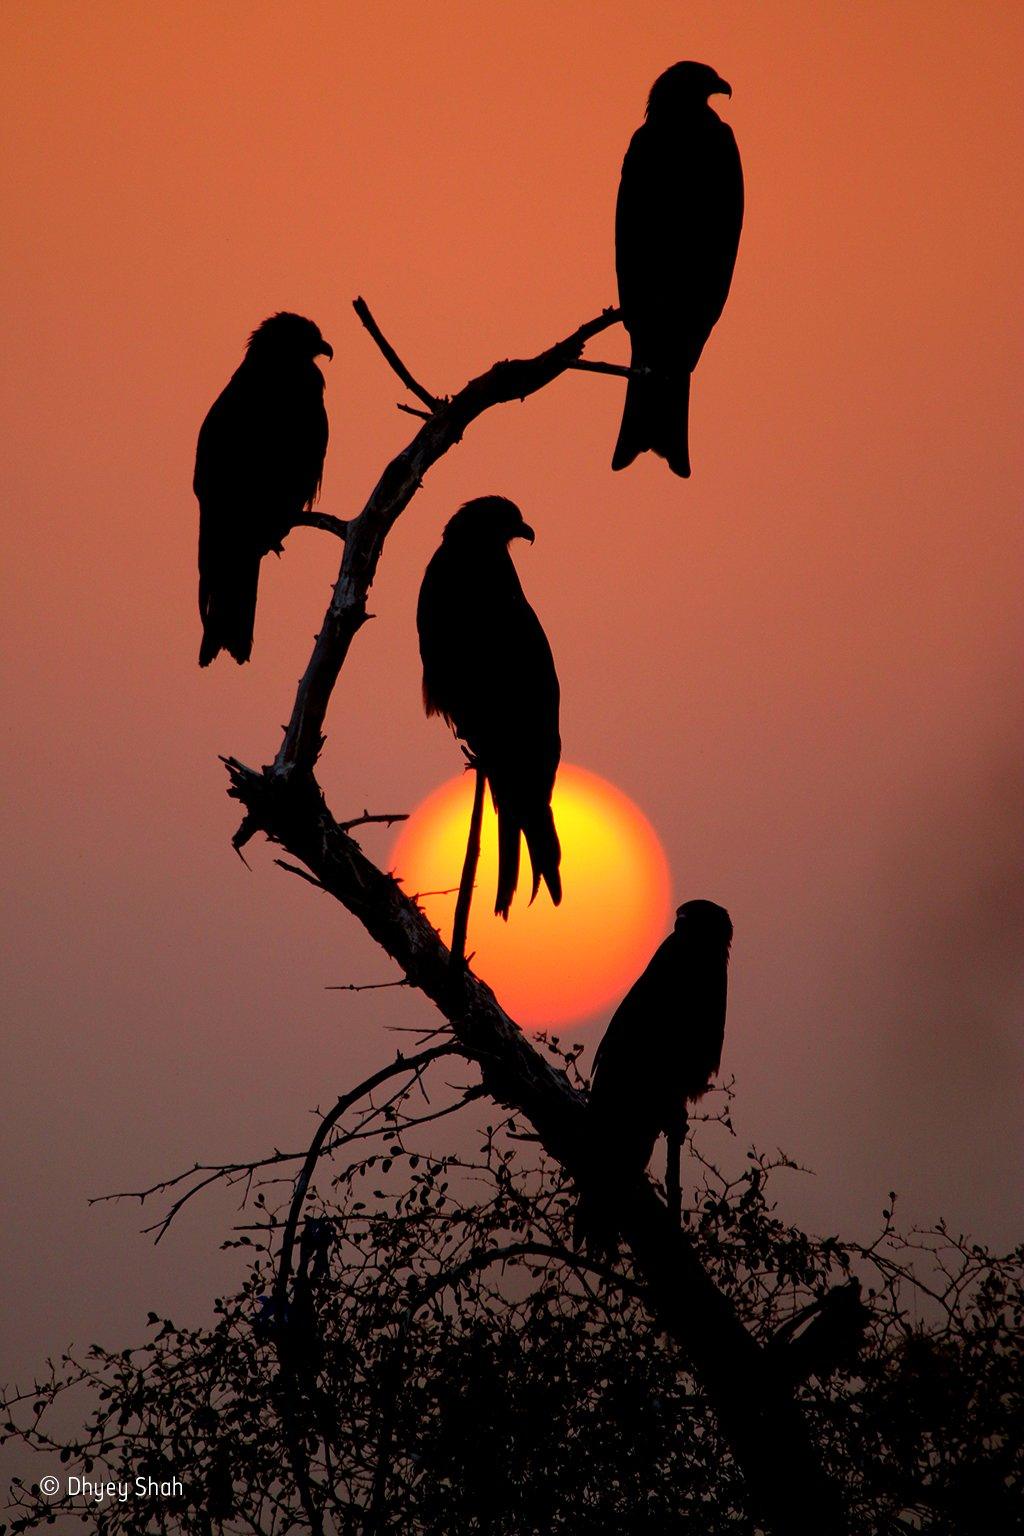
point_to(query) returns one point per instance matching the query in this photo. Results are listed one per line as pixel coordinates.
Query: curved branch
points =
(324, 521)
(413, 1064)
(393, 360)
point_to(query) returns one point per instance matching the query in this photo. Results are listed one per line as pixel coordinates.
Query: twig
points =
(392, 358)
(413, 1064)
(303, 874)
(323, 520)
(364, 986)
(584, 365)
(387, 817)
(410, 410)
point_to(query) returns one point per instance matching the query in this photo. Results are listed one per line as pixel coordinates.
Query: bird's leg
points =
(472, 859)
(675, 1136)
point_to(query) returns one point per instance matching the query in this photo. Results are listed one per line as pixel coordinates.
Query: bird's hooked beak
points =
(723, 88)
(326, 350)
(525, 532)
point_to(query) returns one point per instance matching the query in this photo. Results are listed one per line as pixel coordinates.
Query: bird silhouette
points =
(488, 670)
(677, 229)
(662, 1046)
(259, 461)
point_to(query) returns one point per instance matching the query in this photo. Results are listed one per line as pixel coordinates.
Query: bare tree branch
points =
(393, 360)
(584, 365)
(323, 520)
(755, 1405)
(361, 986)
(303, 874)
(387, 818)
(401, 1064)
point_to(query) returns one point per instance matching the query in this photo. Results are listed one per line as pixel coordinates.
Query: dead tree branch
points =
(324, 521)
(393, 360)
(617, 370)
(754, 1404)
(788, 1487)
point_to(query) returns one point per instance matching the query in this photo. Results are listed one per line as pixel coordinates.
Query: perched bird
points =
(259, 462)
(488, 669)
(664, 1042)
(823, 1337)
(677, 228)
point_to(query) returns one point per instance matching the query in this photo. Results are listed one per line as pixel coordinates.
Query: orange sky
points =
(800, 664)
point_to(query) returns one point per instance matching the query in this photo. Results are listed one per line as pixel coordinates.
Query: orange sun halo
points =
(548, 965)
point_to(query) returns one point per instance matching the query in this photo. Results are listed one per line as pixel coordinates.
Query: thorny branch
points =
(755, 1406)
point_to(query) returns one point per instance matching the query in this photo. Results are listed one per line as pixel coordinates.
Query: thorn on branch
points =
(392, 358)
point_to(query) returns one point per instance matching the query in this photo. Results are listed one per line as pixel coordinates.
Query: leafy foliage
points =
(446, 1363)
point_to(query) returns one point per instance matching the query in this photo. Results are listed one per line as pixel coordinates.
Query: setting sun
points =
(548, 965)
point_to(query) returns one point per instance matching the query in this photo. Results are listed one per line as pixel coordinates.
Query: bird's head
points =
(290, 338)
(706, 921)
(487, 521)
(683, 87)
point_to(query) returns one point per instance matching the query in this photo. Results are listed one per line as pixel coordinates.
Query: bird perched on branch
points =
(677, 228)
(259, 463)
(488, 670)
(822, 1337)
(662, 1047)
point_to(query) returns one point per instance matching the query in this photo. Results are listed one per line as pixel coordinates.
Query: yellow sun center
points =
(548, 965)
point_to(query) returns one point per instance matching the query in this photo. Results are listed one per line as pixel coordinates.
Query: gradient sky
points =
(800, 664)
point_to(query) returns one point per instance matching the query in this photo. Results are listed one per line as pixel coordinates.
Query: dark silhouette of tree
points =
(677, 228)
(662, 1048)
(259, 462)
(488, 670)
(465, 1371)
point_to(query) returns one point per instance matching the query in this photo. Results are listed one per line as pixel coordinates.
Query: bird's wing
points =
(487, 663)
(678, 219)
(261, 449)
(631, 1093)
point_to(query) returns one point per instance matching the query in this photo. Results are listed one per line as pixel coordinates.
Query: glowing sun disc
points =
(548, 965)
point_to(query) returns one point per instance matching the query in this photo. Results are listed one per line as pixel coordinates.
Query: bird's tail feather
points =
(655, 418)
(545, 853)
(508, 862)
(227, 604)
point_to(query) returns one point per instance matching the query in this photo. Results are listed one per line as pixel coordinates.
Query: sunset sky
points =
(802, 664)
